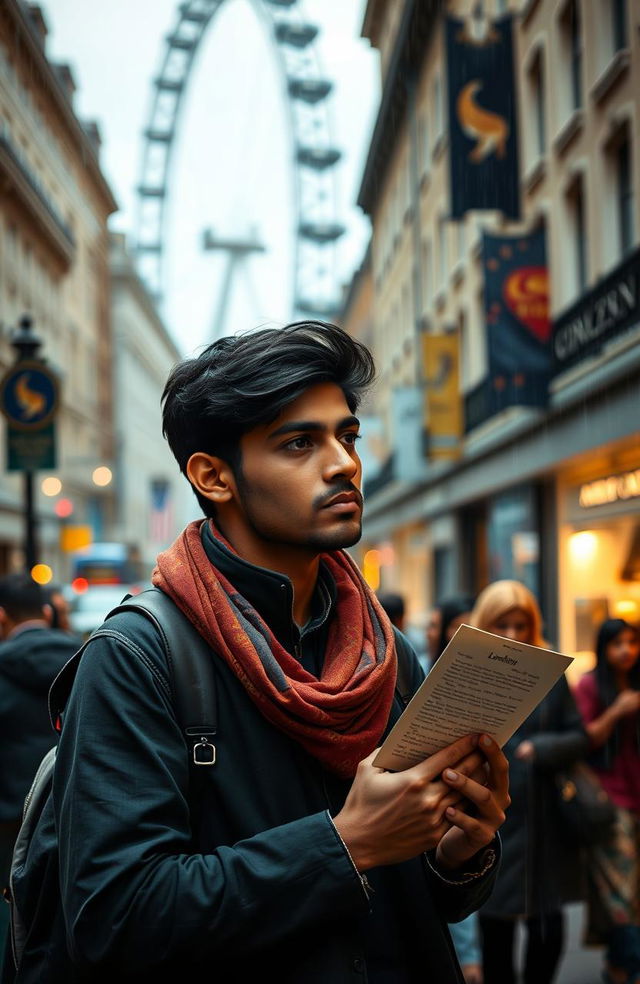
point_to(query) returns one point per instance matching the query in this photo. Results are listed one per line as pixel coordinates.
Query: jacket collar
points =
(271, 593)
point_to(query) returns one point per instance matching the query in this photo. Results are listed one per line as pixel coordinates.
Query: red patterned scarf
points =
(338, 718)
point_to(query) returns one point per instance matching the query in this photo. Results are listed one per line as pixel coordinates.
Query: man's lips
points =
(346, 500)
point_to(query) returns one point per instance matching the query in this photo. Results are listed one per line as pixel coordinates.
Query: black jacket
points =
(242, 876)
(541, 867)
(29, 661)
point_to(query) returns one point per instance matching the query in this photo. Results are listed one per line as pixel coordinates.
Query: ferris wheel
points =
(314, 156)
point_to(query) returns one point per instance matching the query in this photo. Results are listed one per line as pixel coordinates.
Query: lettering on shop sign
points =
(610, 489)
(605, 313)
(610, 308)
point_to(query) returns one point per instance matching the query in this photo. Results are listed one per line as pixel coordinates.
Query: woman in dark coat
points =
(609, 701)
(541, 868)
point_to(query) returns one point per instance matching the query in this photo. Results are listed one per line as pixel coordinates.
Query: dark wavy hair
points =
(245, 380)
(605, 679)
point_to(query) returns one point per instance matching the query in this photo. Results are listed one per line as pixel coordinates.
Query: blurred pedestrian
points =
(449, 615)
(60, 608)
(609, 700)
(31, 654)
(433, 633)
(454, 612)
(541, 871)
(395, 608)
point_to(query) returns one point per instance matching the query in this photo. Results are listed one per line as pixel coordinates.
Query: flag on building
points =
(443, 402)
(516, 303)
(483, 138)
(161, 523)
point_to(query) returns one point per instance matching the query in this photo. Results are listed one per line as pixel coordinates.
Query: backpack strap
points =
(404, 687)
(190, 663)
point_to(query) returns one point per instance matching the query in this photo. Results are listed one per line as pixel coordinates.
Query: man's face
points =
(299, 482)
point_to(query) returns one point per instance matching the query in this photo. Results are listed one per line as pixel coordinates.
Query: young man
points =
(295, 860)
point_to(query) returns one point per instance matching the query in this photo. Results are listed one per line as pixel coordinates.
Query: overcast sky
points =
(232, 163)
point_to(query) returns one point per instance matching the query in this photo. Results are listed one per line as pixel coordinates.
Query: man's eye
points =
(298, 443)
(351, 437)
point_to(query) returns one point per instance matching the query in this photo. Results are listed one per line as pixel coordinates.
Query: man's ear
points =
(212, 477)
(47, 614)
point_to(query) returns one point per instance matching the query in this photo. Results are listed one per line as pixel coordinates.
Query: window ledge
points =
(439, 147)
(569, 131)
(425, 181)
(617, 67)
(527, 10)
(457, 274)
(534, 174)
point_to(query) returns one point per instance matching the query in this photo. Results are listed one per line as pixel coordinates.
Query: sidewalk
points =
(580, 964)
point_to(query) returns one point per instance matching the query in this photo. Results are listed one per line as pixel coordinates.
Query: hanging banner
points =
(516, 298)
(483, 138)
(443, 402)
(407, 422)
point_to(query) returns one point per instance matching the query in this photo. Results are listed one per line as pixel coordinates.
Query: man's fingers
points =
(450, 755)
(490, 799)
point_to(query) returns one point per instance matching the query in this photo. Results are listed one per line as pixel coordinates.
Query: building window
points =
(461, 239)
(571, 30)
(442, 250)
(438, 121)
(624, 188)
(619, 24)
(427, 266)
(578, 237)
(536, 119)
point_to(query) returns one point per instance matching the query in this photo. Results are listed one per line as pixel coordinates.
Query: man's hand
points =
(472, 973)
(479, 815)
(390, 817)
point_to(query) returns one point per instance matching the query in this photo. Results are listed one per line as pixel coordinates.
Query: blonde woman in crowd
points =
(540, 870)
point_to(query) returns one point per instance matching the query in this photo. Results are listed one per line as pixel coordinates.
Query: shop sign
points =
(612, 307)
(611, 489)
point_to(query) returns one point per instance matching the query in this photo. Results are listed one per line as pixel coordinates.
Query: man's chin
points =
(339, 539)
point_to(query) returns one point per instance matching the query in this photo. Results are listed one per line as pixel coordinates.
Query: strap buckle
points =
(204, 752)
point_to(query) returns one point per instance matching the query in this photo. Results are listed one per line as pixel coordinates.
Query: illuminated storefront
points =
(599, 547)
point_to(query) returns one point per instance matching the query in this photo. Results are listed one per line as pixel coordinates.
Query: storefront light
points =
(371, 569)
(626, 608)
(583, 546)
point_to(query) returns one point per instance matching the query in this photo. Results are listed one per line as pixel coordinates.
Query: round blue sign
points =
(29, 395)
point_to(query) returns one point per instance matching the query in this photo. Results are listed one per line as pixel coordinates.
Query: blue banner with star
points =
(518, 327)
(483, 138)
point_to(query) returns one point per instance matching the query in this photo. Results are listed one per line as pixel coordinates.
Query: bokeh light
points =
(102, 475)
(41, 573)
(51, 485)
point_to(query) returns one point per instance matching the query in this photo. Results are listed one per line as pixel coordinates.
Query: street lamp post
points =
(26, 343)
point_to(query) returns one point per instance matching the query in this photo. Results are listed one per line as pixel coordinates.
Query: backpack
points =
(32, 893)
(33, 871)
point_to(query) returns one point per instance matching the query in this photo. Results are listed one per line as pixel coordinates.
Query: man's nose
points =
(340, 461)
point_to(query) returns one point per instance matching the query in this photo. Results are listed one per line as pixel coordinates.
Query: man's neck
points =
(300, 566)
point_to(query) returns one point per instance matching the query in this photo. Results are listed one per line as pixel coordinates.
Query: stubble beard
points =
(315, 543)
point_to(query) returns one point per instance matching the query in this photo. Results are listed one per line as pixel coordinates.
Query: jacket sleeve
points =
(457, 895)
(565, 739)
(130, 884)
